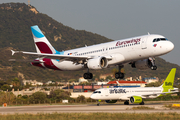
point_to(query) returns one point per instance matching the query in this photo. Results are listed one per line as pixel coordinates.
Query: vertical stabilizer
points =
(168, 83)
(41, 43)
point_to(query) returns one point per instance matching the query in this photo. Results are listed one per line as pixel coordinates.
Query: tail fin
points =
(168, 83)
(41, 43)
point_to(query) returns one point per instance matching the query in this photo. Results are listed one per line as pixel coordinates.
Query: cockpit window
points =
(97, 92)
(160, 39)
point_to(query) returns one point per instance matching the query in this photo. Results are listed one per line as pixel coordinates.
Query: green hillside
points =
(15, 22)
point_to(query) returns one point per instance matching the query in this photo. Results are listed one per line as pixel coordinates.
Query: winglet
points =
(12, 52)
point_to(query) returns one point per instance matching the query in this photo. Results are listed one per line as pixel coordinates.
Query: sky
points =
(117, 19)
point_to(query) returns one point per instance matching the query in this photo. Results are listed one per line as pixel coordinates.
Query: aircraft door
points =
(106, 93)
(144, 43)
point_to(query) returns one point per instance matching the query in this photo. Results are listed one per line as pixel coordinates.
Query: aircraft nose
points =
(92, 96)
(170, 46)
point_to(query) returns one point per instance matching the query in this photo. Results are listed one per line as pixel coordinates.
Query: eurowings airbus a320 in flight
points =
(137, 94)
(137, 51)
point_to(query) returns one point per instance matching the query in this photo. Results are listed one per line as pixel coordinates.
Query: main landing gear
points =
(119, 75)
(142, 103)
(88, 75)
(126, 102)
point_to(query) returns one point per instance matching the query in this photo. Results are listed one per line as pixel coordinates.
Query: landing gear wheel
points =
(142, 103)
(126, 103)
(88, 75)
(119, 75)
(154, 67)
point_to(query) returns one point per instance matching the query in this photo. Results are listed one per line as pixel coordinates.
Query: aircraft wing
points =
(56, 56)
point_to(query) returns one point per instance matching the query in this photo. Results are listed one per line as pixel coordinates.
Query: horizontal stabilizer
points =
(20, 60)
(13, 52)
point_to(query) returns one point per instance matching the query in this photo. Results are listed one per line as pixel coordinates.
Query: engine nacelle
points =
(135, 99)
(110, 101)
(142, 64)
(97, 63)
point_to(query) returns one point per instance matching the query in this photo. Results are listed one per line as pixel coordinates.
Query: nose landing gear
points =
(153, 66)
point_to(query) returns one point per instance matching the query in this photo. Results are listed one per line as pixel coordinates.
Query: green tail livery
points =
(168, 83)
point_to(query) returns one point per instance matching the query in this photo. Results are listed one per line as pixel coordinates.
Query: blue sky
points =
(117, 19)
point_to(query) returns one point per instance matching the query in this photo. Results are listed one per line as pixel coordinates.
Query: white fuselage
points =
(126, 93)
(121, 51)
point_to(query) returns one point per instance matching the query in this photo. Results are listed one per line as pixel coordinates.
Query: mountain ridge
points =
(16, 20)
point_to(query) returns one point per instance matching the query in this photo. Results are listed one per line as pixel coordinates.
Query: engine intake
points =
(97, 63)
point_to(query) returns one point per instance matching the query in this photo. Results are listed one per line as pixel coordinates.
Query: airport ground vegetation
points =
(93, 116)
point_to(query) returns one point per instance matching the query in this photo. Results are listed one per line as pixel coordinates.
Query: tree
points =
(38, 96)
(7, 97)
(154, 84)
(15, 82)
(6, 87)
(81, 98)
(84, 83)
(109, 78)
(59, 94)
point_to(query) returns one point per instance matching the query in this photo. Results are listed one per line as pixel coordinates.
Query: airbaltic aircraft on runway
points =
(137, 94)
(137, 51)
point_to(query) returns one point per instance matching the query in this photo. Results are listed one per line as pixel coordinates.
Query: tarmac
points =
(87, 108)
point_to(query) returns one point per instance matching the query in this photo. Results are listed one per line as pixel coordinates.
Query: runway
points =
(88, 108)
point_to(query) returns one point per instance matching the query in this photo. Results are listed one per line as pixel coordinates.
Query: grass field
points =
(92, 116)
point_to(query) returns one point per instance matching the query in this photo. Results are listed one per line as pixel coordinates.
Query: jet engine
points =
(135, 99)
(97, 63)
(142, 64)
(110, 101)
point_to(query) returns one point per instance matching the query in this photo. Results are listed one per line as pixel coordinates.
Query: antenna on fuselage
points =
(149, 33)
(85, 45)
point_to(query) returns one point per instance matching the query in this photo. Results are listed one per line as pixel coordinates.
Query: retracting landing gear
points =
(153, 66)
(119, 75)
(88, 75)
(126, 102)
